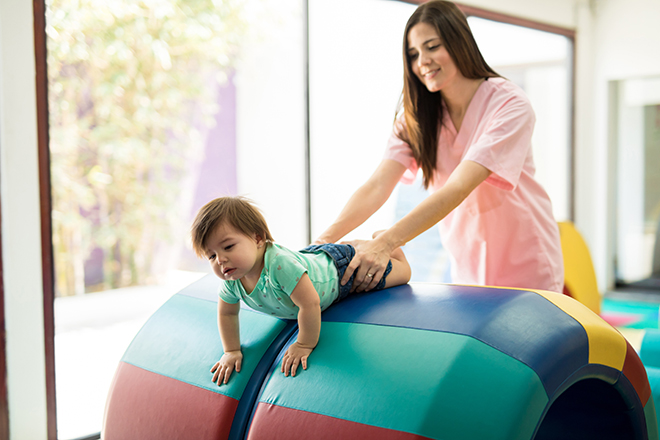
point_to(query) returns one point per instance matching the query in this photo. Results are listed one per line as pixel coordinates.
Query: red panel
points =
(274, 422)
(145, 405)
(634, 370)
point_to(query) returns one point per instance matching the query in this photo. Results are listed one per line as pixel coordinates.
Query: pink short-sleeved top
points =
(504, 233)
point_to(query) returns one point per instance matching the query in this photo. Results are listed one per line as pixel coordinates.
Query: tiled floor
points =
(92, 332)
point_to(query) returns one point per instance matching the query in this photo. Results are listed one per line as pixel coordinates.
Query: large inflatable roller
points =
(419, 361)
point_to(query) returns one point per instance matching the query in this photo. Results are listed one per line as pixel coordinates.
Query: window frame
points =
(48, 271)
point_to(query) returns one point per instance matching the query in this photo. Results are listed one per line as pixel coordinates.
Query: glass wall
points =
(638, 183)
(156, 107)
(355, 83)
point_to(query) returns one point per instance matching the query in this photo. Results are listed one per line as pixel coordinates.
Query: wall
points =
(554, 12)
(21, 245)
(619, 40)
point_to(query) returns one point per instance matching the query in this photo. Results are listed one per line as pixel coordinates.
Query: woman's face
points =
(429, 59)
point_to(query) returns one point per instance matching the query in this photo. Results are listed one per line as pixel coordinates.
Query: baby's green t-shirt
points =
(280, 275)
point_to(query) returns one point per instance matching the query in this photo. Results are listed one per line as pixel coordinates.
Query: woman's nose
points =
(422, 59)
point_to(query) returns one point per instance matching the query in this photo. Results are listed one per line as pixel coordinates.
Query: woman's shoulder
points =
(503, 88)
(501, 94)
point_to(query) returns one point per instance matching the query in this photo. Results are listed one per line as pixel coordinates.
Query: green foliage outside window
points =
(131, 87)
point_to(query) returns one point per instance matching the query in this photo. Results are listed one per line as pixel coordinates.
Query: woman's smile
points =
(431, 73)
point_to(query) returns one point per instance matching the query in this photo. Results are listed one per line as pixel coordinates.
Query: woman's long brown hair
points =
(422, 109)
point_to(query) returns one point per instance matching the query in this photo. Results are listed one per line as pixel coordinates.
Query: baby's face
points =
(233, 255)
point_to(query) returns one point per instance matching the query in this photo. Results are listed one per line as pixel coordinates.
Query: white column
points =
(21, 243)
(587, 218)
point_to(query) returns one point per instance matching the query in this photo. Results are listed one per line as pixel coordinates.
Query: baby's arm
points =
(309, 326)
(231, 342)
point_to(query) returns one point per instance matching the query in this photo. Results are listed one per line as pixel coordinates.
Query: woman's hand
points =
(369, 264)
(229, 362)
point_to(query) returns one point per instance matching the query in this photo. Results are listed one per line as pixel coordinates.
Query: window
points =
(155, 109)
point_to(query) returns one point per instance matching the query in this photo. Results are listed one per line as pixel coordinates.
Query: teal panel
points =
(181, 341)
(434, 384)
(649, 352)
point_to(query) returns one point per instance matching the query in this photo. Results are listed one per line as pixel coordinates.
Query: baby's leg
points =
(400, 273)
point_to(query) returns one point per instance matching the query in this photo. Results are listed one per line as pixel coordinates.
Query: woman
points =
(469, 131)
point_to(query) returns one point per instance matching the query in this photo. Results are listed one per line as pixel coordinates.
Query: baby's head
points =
(238, 212)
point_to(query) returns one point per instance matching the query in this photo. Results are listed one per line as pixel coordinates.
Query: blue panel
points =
(520, 323)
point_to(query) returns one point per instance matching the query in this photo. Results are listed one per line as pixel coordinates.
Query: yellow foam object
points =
(579, 274)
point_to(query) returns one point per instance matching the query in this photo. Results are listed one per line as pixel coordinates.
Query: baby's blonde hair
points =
(238, 212)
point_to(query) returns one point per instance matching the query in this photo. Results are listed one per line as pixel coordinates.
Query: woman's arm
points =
(372, 255)
(365, 201)
(228, 327)
(309, 326)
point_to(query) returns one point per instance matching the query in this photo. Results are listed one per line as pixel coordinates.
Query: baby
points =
(233, 235)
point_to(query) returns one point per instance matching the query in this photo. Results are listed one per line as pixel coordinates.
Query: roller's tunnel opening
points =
(591, 409)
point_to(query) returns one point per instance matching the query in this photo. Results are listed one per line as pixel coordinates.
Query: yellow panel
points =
(579, 274)
(606, 345)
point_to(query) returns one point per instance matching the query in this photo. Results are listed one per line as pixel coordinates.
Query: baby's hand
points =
(229, 362)
(294, 356)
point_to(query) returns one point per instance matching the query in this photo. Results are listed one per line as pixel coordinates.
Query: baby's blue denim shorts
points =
(342, 254)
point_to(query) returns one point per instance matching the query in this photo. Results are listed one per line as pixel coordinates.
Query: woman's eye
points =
(434, 47)
(229, 247)
(412, 56)
(212, 257)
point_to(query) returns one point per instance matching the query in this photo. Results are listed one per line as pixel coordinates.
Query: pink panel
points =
(274, 422)
(147, 406)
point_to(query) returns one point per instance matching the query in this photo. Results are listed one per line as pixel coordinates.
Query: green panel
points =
(181, 341)
(434, 384)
